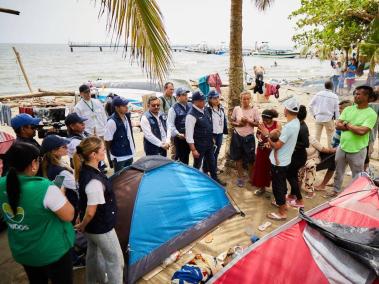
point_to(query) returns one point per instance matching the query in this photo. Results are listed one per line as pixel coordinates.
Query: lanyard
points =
(91, 108)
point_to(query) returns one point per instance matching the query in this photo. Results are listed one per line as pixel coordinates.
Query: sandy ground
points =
(235, 231)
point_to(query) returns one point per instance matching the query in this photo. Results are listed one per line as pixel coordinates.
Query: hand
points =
(181, 136)
(263, 129)
(195, 154)
(165, 146)
(332, 150)
(79, 227)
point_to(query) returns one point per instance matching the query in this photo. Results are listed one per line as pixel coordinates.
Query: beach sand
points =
(230, 233)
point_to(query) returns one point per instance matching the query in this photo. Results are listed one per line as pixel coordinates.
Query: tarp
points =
(294, 253)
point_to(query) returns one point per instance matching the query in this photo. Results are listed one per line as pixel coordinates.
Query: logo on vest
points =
(14, 219)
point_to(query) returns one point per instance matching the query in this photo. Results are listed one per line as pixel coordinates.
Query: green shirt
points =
(350, 142)
(36, 236)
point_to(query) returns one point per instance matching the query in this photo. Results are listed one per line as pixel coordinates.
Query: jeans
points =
(107, 246)
(335, 80)
(218, 142)
(59, 272)
(121, 164)
(354, 160)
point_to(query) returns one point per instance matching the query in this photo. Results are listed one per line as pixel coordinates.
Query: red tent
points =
(298, 253)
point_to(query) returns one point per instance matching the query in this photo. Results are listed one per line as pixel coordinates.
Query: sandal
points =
(293, 203)
(276, 216)
(259, 192)
(264, 226)
(310, 195)
(274, 203)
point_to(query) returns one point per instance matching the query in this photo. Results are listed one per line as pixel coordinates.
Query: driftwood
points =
(38, 94)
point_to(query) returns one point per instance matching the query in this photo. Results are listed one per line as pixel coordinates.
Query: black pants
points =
(182, 150)
(298, 161)
(207, 157)
(279, 183)
(59, 272)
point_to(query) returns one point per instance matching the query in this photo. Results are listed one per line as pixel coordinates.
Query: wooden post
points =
(22, 69)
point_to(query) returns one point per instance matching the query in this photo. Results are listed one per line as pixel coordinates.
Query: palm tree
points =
(235, 59)
(139, 23)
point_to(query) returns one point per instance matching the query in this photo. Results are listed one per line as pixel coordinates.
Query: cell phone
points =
(58, 181)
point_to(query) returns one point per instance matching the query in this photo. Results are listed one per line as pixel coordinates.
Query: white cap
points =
(292, 105)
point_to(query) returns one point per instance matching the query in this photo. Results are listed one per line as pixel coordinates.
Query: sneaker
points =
(240, 182)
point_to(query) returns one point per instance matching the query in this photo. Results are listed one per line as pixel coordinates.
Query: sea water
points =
(55, 67)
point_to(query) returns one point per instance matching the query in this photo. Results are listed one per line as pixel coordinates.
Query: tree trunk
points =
(235, 64)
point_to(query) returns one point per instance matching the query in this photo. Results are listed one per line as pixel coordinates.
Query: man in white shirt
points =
(325, 109)
(176, 123)
(93, 111)
(167, 101)
(199, 136)
(119, 135)
(155, 141)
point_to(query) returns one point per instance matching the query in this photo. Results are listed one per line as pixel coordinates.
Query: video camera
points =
(57, 128)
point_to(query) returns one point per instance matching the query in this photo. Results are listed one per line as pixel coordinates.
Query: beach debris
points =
(171, 259)
(264, 226)
(208, 239)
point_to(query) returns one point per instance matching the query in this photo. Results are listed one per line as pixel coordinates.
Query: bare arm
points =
(88, 216)
(340, 125)
(358, 130)
(66, 212)
(276, 145)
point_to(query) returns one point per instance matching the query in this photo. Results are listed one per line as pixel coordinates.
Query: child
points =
(274, 137)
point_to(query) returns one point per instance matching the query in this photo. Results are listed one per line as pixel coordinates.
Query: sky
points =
(186, 22)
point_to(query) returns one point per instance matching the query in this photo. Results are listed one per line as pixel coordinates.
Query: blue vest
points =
(53, 171)
(209, 110)
(105, 216)
(120, 144)
(180, 118)
(203, 131)
(150, 148)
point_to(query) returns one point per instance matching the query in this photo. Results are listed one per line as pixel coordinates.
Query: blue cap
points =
(52, 142)
(180, 91)
(24, 119)
(119, 101)
(198, 96)
(213, 94)
(74, 118)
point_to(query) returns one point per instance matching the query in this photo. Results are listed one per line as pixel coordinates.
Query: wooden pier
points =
(100, 46)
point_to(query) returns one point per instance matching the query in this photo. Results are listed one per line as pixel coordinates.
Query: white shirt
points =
(110, 130)
(146, 128)
(71, 147)
(171, 121)
(69, 180)
(54, 198)
(190, 125)
(218, 120)
(324, 106)
(94, 112)
(95, 192)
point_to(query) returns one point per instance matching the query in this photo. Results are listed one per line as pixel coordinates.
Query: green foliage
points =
(333, 24)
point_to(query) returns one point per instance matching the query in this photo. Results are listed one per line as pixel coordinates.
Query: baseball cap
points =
(213, 94)
(24, 119)
(292, 105)
(74, 118)
(119, 101)
(52, 142)
(84, 88)
(198, 96)
(180, 91)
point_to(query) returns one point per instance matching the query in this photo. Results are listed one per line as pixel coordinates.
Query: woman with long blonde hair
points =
(97, 213)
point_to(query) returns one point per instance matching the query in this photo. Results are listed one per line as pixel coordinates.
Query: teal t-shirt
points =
(36, 236)
(350, 142)
(288, 136)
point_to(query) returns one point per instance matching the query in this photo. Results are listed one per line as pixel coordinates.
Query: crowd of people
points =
(44, 198)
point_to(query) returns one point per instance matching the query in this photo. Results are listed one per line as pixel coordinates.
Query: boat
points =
(265, 51)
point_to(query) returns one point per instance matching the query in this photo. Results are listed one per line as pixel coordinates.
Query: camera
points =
(57, 128)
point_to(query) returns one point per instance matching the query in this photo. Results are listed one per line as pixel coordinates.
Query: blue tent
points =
(163, 206)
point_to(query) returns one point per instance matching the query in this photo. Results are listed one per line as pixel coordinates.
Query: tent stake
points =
(22, 69)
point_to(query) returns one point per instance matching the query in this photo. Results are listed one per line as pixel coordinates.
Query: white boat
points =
(276, 53)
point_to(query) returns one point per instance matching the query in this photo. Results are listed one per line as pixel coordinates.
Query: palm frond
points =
(263, 4)
(139, 23)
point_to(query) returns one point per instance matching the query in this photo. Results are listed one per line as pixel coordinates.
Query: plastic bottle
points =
(171, 259)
